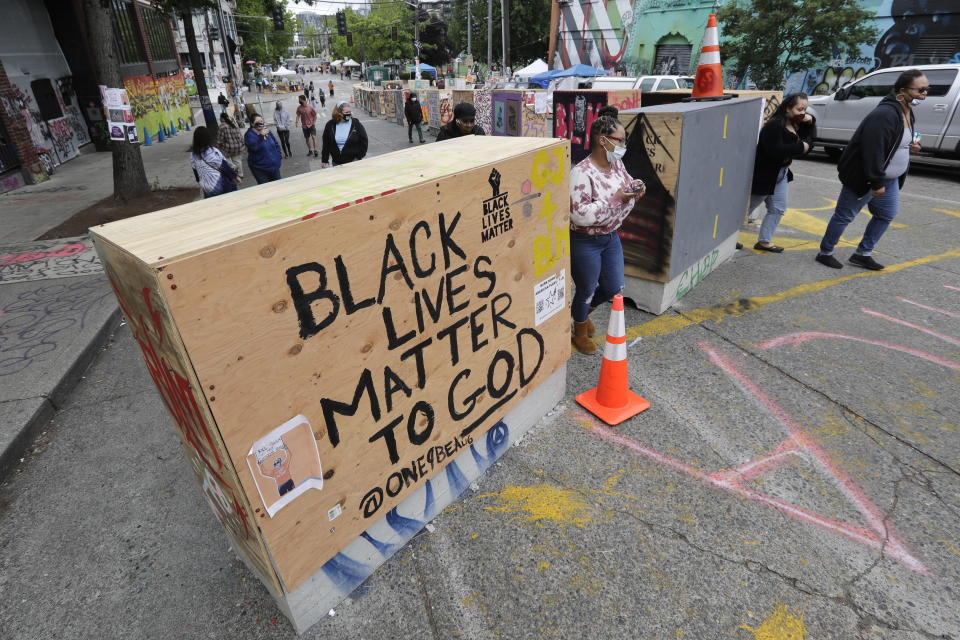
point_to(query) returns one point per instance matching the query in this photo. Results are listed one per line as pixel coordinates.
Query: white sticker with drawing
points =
(549, 297)
(285, 463)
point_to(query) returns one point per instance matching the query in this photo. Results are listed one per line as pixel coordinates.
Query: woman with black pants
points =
(344, 138)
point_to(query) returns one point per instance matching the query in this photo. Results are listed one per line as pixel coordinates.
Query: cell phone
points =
(916, 136)
(635, 188)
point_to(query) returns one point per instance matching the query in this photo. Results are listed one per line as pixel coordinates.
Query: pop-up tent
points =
(425, 68)
(533, 69)
(283, 71)
(579, 71)
(350, 62)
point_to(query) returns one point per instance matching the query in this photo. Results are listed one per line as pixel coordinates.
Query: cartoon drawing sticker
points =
(285, 463)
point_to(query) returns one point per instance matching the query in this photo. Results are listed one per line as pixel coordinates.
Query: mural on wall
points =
(157, 102)
(53, 118)
(593, 33)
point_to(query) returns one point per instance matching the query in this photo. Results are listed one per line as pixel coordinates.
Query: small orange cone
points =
(611, 400)
(709, 80)
(351, 98)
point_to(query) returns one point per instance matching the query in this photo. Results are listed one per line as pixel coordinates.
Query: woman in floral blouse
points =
(602, 194)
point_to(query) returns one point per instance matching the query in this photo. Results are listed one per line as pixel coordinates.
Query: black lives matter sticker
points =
(496, 210)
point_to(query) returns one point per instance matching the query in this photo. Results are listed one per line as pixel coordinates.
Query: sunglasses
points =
(920, 89)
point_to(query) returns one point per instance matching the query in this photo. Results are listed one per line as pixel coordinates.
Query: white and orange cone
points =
(709, 80)
(611, 400)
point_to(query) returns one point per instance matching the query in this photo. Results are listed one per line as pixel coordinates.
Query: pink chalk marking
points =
(805, 336)
(797, 443)
(946, 286)
(923, 306)
(935, 334)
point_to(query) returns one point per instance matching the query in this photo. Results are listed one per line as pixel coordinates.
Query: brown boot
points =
(580, 339)
(590, 328)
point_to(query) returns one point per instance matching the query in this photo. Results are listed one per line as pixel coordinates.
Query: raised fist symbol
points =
(494, 181)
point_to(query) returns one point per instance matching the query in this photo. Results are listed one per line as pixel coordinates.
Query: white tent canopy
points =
(283, 71)
(350, 62)
(336, 63)
(534, 68)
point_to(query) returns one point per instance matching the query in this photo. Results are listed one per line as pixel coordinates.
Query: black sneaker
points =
(867, 262)
(830, 261)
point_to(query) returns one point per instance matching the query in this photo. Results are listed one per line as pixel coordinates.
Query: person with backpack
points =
(210, 167)
(230, 142)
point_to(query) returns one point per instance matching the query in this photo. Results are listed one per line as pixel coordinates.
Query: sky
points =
(325, 7)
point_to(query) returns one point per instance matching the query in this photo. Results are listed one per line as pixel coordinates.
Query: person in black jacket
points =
(873, 169)
(464, 123)
(344, 138)
(788, 134)
(411, 109)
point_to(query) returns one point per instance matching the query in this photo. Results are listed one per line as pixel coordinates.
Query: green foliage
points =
(529, 29)
(771, 38)
(252, 30)
(371, 34)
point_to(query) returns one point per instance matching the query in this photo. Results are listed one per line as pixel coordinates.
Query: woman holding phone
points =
(602, 194)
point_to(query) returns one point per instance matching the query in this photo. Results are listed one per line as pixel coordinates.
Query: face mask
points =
(916, 101)
(279, 107)
(617, 153)
(413, 99)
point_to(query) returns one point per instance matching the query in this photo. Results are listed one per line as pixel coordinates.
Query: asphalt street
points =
(796, 477)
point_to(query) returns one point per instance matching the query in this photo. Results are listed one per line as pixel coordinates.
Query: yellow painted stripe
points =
(667, 324)
(721, 176)
(725, 116)
(716, 219)
(948, 212)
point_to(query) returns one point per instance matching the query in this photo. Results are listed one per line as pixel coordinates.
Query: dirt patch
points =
(110, 210)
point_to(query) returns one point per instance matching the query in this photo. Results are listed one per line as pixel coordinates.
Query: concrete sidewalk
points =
(56, 307)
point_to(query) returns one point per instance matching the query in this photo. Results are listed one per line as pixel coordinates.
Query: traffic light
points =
(341, 23)
(393, 33)
(278, 18)
(349, 39)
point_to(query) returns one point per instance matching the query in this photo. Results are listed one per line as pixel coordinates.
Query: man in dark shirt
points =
(464, 123)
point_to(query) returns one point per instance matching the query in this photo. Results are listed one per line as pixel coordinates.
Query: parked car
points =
(839, 113)
(663, 83)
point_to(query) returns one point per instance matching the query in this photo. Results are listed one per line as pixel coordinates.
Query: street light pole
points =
(416, 35)
(469, 28)
(505, 28)
(489, 36)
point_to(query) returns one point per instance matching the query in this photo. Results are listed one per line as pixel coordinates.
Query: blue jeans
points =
(263, 175)
(596, 264)
(776, 205)
(882, 209)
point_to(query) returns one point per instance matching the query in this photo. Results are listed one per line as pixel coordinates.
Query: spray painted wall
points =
(664, 37)
(158, 101)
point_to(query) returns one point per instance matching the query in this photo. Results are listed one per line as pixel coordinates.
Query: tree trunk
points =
(129, 176)
(199, 78)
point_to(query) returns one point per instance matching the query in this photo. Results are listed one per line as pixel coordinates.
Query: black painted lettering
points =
(419, 271)
(390, 251)
(348, 304)
(399, 478)
(469, 402)
(409, 475)
(417, 350)
(303, 302)
(421, 467)
(476, 328)
(392, 340)
(498, 313)
(525, 379)
(434, 309)
(484, 275)
(419, 437)
(330, 407)
(446, 240)
(507, 357)
(390, 439)
(451, 331)
(393, 383)
(453, 290)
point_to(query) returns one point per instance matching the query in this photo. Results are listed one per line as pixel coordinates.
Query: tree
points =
(129, 176)
(770, 38)
(529, 29)
(371, 34)
(260, 41)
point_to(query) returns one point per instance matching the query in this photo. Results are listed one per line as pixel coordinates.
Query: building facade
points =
(216, 34)
(664, 37)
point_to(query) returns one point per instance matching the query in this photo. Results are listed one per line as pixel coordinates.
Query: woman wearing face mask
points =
(282, 119)
(788, 134)
(873, 168)
(602, 194)
(263, 151)
(414, 116)
(344, 138)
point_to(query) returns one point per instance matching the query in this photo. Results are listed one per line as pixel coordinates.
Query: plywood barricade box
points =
(575, 111)
(535, 121)
(772, 99)
(462, 95)
(483, 103)
(389, 104)
(696, 159)
(340, 363)
(515, 114)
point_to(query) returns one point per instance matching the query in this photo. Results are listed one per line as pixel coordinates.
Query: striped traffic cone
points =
(611, 400)
(709, 80)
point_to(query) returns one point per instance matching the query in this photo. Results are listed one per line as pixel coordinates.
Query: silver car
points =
(839, 113)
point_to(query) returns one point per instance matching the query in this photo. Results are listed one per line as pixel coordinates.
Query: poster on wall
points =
(116, 109)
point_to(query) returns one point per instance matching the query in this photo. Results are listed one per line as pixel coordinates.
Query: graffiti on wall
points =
(157, 102)
(573, 113)
(594, 33)
(54, 140)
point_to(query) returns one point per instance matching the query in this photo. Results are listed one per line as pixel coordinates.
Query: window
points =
(157, 33)
(647, 84)
(223, 61)
(875, 86)
(666, 83)
(125, 31)
(47, 102)
(940, 81)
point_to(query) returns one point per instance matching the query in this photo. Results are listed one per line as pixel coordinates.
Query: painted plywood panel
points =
(338, 384)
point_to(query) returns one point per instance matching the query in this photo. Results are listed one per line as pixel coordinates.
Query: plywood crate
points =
(329, 350)
(691, 157)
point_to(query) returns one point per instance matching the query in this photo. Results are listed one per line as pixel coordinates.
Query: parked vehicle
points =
(663, 83)
(938, 123)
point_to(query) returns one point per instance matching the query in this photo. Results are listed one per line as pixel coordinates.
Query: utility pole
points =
(223, 39)
(505, 26)
(416, 35)
(489, 36)
(469, 28)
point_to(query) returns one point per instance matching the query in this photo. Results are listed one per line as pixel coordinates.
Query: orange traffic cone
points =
(709, 80)
(351, 98)
(611, 400)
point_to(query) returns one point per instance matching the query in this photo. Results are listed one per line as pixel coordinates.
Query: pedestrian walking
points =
(313, 92)
(210, 167)
(344, 138)
(602, 194)
(282, 121)
(223, 102)
(263, 151)
(330, 85)
(230, 142)
(464, 123)
(788, 134)
(307, 119)
(873, 168)
(414, 115)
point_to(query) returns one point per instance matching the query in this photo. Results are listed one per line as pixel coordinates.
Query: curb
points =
(54, 399)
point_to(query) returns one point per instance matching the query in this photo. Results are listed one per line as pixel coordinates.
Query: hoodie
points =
(864, 161)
